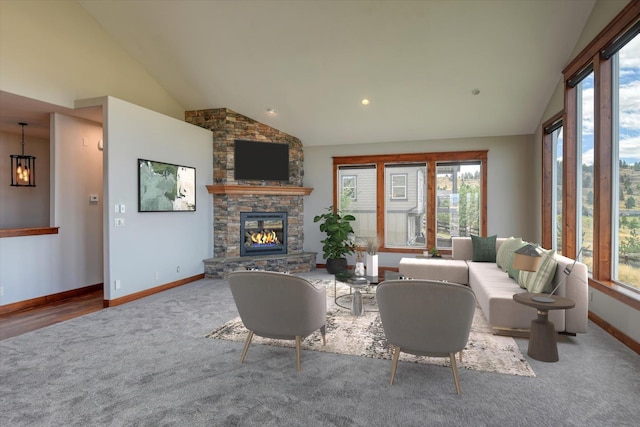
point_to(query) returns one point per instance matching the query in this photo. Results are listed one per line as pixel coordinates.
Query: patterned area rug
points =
(364, 336)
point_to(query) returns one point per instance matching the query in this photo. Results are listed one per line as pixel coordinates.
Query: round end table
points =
(542, 338)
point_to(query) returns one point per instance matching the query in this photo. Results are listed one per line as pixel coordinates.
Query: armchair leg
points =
(323, 331)
(394, 365)
(298, 340)
(246, 346)
(454, 368)
(460, 355)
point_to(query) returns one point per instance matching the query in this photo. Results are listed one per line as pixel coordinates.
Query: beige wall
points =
(54, 51)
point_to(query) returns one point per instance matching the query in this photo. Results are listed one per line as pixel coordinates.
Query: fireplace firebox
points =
(263, 233)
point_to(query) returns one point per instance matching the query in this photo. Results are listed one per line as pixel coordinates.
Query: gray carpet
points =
(148, 363)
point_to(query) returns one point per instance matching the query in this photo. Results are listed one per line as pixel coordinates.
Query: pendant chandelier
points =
(23, 168)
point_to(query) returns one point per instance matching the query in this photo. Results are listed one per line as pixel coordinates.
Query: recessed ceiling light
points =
(475, 91)
(271, 111)
(364, 101)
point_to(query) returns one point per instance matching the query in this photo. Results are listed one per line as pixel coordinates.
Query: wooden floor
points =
(20, 322)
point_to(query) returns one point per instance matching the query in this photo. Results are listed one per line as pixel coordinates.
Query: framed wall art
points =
(165, 187)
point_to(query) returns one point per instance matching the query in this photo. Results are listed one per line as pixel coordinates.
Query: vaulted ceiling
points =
(417, 62)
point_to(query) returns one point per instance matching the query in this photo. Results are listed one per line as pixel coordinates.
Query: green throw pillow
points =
(540, 281)
(514, 273)
(504, 256)
(484, 248)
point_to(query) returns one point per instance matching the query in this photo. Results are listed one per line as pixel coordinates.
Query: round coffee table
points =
(542, 338)
(358, 285)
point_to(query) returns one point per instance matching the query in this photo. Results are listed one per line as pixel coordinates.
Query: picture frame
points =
(166, 187)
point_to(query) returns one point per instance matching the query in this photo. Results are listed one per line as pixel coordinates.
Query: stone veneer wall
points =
(227, 126)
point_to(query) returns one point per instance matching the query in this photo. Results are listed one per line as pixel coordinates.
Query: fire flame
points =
(264, 237)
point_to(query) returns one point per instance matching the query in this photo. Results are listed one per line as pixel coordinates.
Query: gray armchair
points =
(279, 306)
(426, 318)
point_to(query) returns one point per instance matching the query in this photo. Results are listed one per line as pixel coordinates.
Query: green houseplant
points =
(337, 244)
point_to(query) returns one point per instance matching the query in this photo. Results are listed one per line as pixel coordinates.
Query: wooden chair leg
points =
(246, 346)
(323, 331)
(298, 340)
(460, 355)
(454, 368)
(394, 365)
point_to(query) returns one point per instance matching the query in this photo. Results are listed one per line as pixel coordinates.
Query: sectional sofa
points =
(494, 289)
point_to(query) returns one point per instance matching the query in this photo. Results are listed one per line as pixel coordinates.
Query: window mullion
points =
(603, 159)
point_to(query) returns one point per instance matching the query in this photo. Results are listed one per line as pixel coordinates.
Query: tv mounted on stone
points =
(262, 161)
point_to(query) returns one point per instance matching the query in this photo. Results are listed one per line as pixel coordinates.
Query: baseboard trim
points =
(615, 332)
(137, 295)
(48, 299)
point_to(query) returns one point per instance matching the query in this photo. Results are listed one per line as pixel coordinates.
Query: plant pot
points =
(336, 265)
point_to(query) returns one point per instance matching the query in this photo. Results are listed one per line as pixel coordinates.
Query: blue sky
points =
(629, 105)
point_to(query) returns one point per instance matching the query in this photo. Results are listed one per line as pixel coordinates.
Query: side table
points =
(542, 339)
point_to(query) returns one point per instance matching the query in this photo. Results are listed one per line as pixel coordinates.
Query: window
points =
(405, 214)
(398, 187)
(360, 202)
(400, 197)
(626, 164)
(600, 168)
(552, 183)
(584, 193)
(458, 191)
(349, 187)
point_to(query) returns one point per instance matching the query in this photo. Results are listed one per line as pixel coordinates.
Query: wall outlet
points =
(116, 284)
(178, 269)
(157, 275)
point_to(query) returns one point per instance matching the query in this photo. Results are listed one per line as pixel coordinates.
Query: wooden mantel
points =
(259, 189)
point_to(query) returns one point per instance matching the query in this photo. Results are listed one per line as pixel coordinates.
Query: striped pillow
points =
(504, 256)
(540, 281)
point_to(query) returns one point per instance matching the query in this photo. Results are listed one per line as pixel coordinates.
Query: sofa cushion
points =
(504, 256)
(539, 281)
(484, 248)
(494, 293)
(450, 270)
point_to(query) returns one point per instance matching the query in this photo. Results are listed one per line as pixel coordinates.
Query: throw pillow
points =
(504, 256)
(540, 281)
(484, 248)
(514, 273)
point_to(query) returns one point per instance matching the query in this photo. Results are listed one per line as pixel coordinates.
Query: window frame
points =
(430, 179)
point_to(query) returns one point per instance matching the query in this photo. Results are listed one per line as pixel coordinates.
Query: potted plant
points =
(337, 244)
(435, 253)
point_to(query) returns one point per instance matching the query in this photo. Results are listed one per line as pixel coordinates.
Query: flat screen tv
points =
(264, 161)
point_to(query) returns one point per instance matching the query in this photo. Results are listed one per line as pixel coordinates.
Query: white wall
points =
(77, 175)
(54, 51)
(511, 205)
(149, 243)
(24, 207)
(147, 250)
(36, 266)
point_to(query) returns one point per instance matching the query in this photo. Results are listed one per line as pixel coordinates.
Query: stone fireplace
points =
(231, 197)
